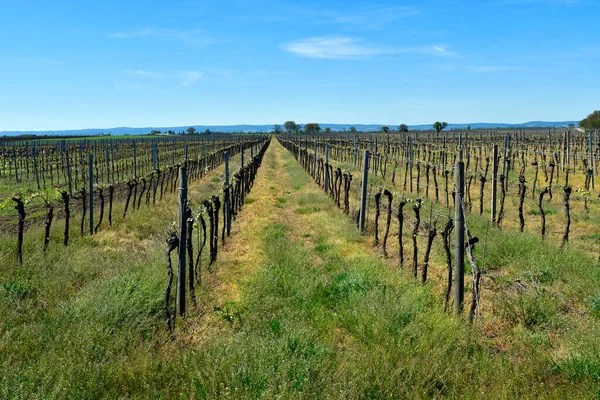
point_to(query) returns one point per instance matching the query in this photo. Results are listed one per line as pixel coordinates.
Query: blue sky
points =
(96, 64)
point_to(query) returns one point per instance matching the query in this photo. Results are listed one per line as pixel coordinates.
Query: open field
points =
(299, 303)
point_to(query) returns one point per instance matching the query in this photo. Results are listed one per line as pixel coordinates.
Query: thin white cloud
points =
(143, 73)
(332, 47)
(193, 36)
(179, 78)
(189, 78)
(436, 50)
(371, 17)
(343, 47)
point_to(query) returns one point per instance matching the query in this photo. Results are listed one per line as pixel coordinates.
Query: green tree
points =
(352, 129)
(291, 126)
(592, 121)
(385, 129)
(328, 130)
(191, 130)
(311, 128)
(403, 128)
(439, 126)
(277, 129)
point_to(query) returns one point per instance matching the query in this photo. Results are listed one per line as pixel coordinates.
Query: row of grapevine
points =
(428, 175)
(211, 218)
(95, 196)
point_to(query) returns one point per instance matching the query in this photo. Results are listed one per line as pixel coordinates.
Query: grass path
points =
(303, 306)
(299, 305)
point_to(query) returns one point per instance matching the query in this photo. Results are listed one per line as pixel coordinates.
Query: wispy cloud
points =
(369, 17)
(436, 50)
(332, 47)
(179, 78)
(193, 36)
(189, 78)
(143, 73)
(35, 60)
(344, 47)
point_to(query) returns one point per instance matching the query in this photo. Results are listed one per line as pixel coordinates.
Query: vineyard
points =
(449, 264)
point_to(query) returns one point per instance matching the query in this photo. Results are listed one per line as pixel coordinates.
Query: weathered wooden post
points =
(375, 156)
(91, 191)
(228, 202)
(35, 166)
(68, 173)
(363, 192)
(505, 160)
(154, 169)
(355, 151)
(459, 245)
(173, 153)
(182, 239)
(410, 161)
(591, 167)
(203, 156)
(15, 161)
(242, 151)
(494, 181)
(134, 160)
(327, 167)
(315, 162)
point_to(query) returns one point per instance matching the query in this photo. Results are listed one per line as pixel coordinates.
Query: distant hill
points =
(267, 128)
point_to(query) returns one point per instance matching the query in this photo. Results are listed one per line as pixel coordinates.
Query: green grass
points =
(321, 316)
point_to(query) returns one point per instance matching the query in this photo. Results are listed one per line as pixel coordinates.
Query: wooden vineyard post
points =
(459, 245)
(363, 192)
(494, 181)
(315, 162)
(410, 161)
(242, 151)
(173, 152)
(154, 168)
(355, 151)
(15, 162)
(228, 202)
(203, 156)
(107, 159)
(182, 239)
(505, 165)
(327, 167)
(68, 173)
(591, 167)
(243, 180)
(91, 191)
